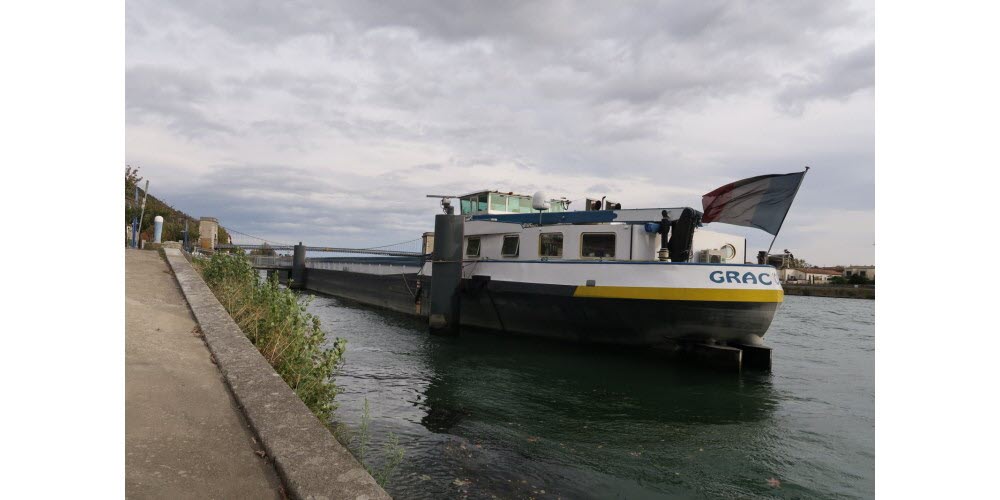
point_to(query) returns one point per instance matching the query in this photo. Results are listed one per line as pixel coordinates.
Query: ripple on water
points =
(484, 415)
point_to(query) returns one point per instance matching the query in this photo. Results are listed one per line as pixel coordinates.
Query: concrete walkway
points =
(184, 435)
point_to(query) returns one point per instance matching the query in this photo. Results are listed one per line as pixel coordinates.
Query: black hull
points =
(552, 311)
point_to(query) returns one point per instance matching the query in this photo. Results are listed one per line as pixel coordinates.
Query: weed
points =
(275, 320)
(358, 442)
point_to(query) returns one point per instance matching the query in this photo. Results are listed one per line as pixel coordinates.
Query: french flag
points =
(760, 202)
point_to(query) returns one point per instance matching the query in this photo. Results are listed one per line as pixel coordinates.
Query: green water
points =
(484, 416)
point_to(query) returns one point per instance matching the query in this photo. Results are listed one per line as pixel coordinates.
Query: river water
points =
(488, 416)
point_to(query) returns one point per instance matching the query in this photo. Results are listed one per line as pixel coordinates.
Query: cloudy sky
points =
(327, 121)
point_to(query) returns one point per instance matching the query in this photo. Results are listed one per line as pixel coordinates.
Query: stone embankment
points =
(309, 460)
(846, 291)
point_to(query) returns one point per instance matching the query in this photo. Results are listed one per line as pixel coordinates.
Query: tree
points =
(132, 178)
(857, 279)
(265, 249)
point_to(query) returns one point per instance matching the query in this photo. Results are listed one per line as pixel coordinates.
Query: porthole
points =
(728, 251)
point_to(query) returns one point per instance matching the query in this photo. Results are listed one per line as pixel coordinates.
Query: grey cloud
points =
(285, 205)
(176, 96)
(260, 21)
(557, 88)
(842, 76)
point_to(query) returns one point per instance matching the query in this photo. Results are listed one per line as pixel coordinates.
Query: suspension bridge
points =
(265, 254)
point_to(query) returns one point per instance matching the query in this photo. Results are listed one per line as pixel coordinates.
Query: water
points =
(484, 416)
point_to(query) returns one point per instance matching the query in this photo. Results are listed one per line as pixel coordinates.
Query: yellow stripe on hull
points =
(699, 294)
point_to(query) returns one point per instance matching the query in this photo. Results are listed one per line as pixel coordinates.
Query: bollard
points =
(298, 267)
(157, 229)
(446, 274)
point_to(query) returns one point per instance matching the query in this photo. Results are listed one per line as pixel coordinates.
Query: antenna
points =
(445, 202)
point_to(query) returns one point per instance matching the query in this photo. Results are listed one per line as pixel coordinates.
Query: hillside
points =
(173, 219)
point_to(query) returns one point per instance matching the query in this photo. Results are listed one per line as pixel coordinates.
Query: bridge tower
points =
(208, 233)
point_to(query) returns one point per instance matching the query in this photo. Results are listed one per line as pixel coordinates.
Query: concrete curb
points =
(312, 464)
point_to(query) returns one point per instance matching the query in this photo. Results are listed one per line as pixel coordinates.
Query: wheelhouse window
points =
(475, 203)
(472, 247)
(511, 246)
(550, 245)
(598, 245)
(519, 205)
(498, 202)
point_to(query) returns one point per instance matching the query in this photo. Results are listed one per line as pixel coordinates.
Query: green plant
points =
(275, 320)
(857, 279)
(358, 441)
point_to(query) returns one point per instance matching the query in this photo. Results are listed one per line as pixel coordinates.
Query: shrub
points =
(275, 320)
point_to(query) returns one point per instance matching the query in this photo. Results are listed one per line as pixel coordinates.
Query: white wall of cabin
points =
(631, 243)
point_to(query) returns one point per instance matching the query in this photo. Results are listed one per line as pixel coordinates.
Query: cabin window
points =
(498, 202)
(472, 247)
(550, 245)
(511, 246)
(526, 206)
(519, 205)
(466, 206)
(598, 245)
(483, 202)
(514, 204)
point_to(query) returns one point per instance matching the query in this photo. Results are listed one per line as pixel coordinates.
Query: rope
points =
(230, 230)
(395, 244)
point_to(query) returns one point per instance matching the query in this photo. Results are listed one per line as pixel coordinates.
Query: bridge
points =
(359, 251)
(266, 254)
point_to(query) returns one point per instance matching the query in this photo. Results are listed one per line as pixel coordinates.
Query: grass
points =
(275, 320)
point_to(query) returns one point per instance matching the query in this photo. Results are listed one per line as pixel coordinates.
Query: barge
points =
(527, 265)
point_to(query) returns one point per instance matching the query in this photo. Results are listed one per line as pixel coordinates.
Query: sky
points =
(328, 122)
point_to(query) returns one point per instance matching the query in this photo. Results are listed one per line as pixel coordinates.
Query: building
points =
(867, 272)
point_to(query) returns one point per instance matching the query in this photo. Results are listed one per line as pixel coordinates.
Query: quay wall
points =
(309, 460)
(847, 291)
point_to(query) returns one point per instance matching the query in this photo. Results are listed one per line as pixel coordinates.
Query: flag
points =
(760, 202)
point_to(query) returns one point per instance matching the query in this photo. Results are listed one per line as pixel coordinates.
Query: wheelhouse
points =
(495, 202)
(504, 227)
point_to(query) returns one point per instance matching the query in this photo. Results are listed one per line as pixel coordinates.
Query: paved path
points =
(184, 435)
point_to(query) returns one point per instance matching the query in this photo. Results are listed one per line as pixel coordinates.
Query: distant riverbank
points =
(845, 291)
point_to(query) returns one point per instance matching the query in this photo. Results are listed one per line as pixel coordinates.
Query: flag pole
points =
(768, 254)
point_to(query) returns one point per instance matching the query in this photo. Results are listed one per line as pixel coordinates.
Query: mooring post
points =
(298, 267)
(446, 274)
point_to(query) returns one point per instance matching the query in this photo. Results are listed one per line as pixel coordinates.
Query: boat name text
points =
(746, 278)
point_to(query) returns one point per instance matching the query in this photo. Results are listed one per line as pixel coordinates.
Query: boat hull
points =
(558, 311)
(600, 315)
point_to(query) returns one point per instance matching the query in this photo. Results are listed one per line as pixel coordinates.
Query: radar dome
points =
(538, 201)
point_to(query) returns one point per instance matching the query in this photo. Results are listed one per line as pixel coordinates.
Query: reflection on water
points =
(486, 415)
